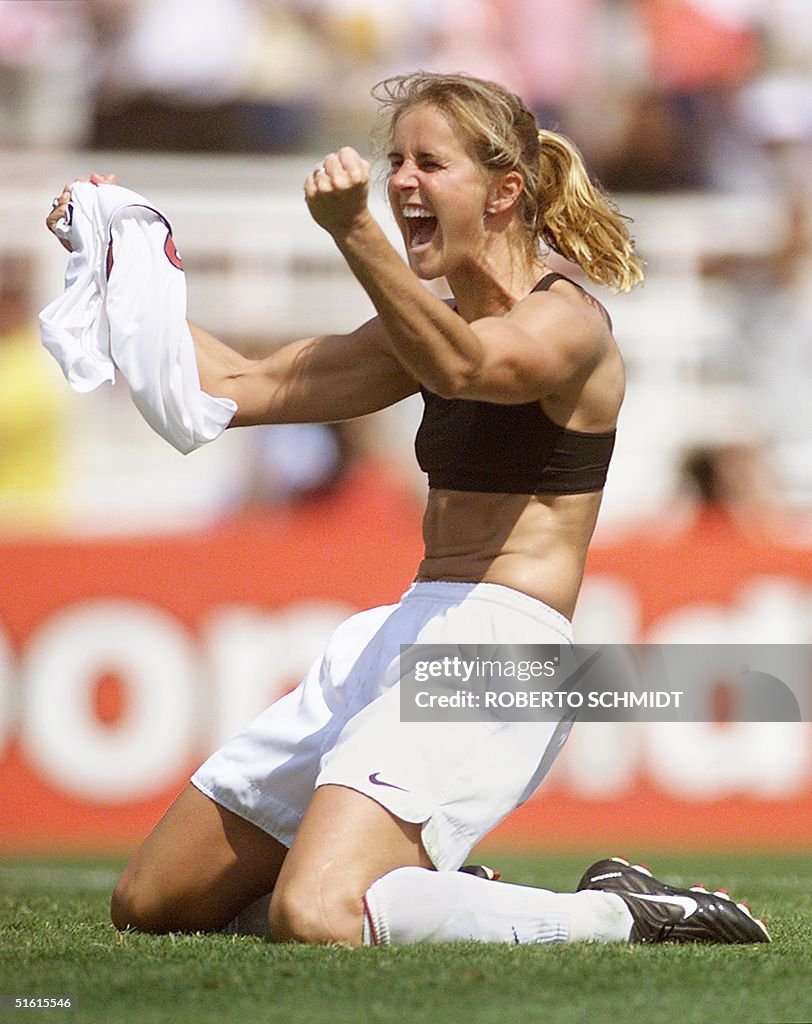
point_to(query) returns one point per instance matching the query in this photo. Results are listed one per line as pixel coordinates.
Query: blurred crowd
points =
(660, 95)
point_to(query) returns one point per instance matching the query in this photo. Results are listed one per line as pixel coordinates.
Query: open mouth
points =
(420, 227)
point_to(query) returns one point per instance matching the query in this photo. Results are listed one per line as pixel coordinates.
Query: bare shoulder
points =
(578, 325)
(566, 299)
(567, 317)
(572, 291)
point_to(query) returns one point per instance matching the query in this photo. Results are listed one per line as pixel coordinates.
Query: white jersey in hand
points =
(124, 308)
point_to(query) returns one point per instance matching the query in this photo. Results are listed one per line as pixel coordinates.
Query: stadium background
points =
(151, 603)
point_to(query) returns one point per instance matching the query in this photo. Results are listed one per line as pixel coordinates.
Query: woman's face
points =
(437, 192)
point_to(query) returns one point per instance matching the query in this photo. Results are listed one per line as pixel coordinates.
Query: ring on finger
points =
(55, 202)
(321, 169)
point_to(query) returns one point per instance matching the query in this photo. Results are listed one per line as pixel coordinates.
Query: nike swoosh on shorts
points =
(373, 778)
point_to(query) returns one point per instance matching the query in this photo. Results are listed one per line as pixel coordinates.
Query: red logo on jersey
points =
(172, 253)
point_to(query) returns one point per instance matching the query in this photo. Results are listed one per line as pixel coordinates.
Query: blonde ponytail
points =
(579, 221)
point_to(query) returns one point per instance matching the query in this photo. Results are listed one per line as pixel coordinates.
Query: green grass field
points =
(55, 940)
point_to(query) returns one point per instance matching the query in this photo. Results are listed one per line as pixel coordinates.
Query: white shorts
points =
(342, 726)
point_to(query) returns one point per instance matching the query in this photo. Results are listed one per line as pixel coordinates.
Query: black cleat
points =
(481, 871)
(663, 913)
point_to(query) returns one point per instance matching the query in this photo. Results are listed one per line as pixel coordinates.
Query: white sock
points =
(417, 905)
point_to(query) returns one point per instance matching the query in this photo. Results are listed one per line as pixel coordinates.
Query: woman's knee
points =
(306, 913)
(345, 841)
(132, 907)
(140, 903)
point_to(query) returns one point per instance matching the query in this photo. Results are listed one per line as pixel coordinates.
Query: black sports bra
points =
(466, 445)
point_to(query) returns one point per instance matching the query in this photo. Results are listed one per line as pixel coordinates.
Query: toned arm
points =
(539, 346)
(314, 380)
(546, 343)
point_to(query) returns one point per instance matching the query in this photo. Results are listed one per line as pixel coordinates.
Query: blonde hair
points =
(560, 205)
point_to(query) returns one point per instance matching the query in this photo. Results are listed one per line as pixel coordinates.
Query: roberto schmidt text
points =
(549, 699)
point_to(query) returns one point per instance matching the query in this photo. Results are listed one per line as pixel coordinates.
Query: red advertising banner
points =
(124, 661)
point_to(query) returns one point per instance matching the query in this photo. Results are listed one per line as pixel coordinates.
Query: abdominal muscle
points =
(536, 544)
